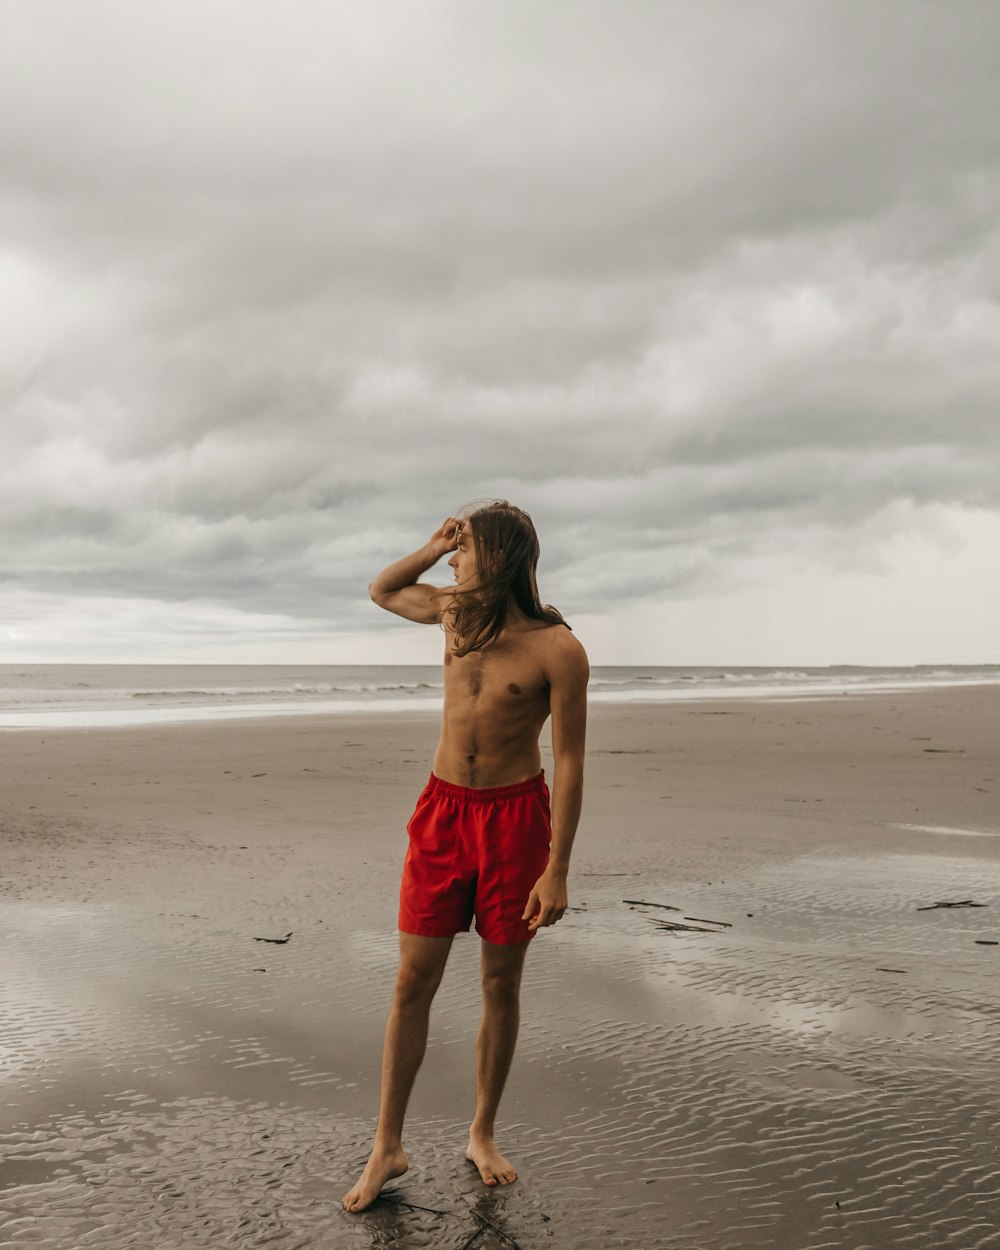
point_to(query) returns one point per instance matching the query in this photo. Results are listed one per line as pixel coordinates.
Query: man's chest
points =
(506, 673)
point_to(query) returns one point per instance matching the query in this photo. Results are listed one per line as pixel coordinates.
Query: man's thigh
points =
(423, 958)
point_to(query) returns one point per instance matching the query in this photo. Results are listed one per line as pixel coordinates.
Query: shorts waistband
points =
(471, 794)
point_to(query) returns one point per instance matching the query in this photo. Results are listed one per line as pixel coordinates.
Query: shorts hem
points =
(433, 930)
(507, 939)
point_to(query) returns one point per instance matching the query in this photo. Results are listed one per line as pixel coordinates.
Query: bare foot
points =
(493, 1167)
(382, 1166)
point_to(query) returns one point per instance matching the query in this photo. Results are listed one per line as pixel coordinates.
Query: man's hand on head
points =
(445, 538)
(547, 901)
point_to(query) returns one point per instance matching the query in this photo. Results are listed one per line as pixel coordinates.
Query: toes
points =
(498, 1176)
(504, 1173)
(494, 1170)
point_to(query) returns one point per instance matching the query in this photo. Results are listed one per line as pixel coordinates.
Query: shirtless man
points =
(481, 832)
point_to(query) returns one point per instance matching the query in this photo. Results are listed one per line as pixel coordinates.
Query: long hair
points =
(507, 553)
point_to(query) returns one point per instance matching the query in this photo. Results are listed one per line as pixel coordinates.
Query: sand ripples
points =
(765, 1085)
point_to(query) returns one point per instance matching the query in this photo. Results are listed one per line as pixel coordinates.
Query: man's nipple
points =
(514, 688)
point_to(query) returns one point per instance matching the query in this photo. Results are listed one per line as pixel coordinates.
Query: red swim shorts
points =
(474, 853)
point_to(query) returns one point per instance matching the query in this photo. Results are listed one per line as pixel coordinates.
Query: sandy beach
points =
(811, 1062)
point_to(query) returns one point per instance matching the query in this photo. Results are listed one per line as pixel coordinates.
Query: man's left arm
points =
(568, 702)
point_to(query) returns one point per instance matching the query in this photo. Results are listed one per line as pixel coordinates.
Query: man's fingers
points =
(542, 913)
(450, 530)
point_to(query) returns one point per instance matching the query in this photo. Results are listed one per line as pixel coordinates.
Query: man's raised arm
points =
(396, 588)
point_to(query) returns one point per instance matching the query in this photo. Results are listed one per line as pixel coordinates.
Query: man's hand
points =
(445, 538)
(547, 901)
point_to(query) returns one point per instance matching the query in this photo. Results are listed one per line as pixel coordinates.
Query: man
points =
(481, 832)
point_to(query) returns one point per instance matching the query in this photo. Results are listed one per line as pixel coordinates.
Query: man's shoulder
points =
(560, 634)
(547, 633)
(564, 651)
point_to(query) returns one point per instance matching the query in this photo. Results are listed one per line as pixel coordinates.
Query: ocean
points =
(86, 695)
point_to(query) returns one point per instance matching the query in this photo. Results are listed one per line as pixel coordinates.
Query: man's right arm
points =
(396, 588)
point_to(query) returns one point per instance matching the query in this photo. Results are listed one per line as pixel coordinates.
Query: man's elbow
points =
(375, 594)
(569, 764)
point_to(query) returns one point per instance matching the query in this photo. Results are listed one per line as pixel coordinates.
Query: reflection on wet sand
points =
(728, 1080)
(763, 1084)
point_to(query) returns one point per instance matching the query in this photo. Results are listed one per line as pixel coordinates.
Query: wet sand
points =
(817, 1071)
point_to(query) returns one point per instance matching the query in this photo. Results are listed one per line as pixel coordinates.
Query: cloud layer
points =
(712, 290)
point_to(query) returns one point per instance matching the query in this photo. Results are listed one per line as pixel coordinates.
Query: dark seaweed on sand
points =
(638, 902)
(674, 926)
(484, 1223)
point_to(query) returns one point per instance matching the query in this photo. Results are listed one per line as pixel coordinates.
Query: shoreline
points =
(124, 717)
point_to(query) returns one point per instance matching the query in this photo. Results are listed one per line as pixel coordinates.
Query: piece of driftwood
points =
(986, 942)
(902, 970)
(499, 1231)
(275, 941)
(484, 1223)
(638, 902)
(965, 902)
(701, 920)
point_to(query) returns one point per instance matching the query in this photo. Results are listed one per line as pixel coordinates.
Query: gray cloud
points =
(285, 286)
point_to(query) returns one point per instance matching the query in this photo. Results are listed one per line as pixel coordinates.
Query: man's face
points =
(463, 559)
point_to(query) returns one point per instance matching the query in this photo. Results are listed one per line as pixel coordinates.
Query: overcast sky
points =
(711, 288)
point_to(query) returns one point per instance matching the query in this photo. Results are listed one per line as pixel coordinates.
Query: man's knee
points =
(416, 981)
(502, 985)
